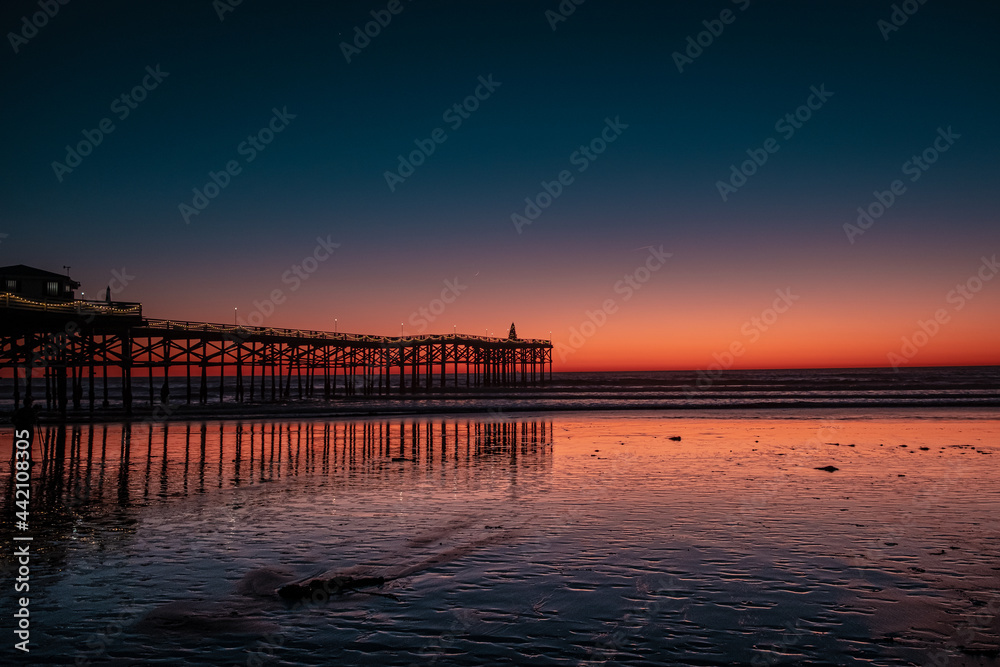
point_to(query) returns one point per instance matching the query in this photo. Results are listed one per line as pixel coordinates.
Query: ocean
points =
(867, 387)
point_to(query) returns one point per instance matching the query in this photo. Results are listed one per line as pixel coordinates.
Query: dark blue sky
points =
(324, 174)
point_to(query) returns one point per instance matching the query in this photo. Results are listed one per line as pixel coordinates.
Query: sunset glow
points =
(398, 189)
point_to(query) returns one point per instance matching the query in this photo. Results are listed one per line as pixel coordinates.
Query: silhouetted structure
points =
(76, 343)
(26, 282)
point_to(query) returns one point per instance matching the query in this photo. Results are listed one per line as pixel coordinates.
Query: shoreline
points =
(493, 409)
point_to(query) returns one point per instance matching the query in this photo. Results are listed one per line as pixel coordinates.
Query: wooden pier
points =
(89, 354)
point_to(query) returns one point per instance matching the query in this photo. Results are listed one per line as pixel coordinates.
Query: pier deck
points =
(82, 353)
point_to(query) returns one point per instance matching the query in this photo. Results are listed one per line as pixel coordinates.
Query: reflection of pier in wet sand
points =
(124, 464)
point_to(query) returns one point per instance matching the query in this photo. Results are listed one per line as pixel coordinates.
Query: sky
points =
(653, 186)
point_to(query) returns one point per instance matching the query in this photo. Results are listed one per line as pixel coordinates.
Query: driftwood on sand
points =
(321, 588)
(318, 589)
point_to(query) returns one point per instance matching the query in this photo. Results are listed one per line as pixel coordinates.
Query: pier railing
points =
(240, 331)
(74, 307)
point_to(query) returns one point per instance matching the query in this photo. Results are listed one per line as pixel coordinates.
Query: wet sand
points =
(571, 538)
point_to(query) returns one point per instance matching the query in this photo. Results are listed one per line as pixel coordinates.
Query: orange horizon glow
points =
(852, 313)
(796, 343)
